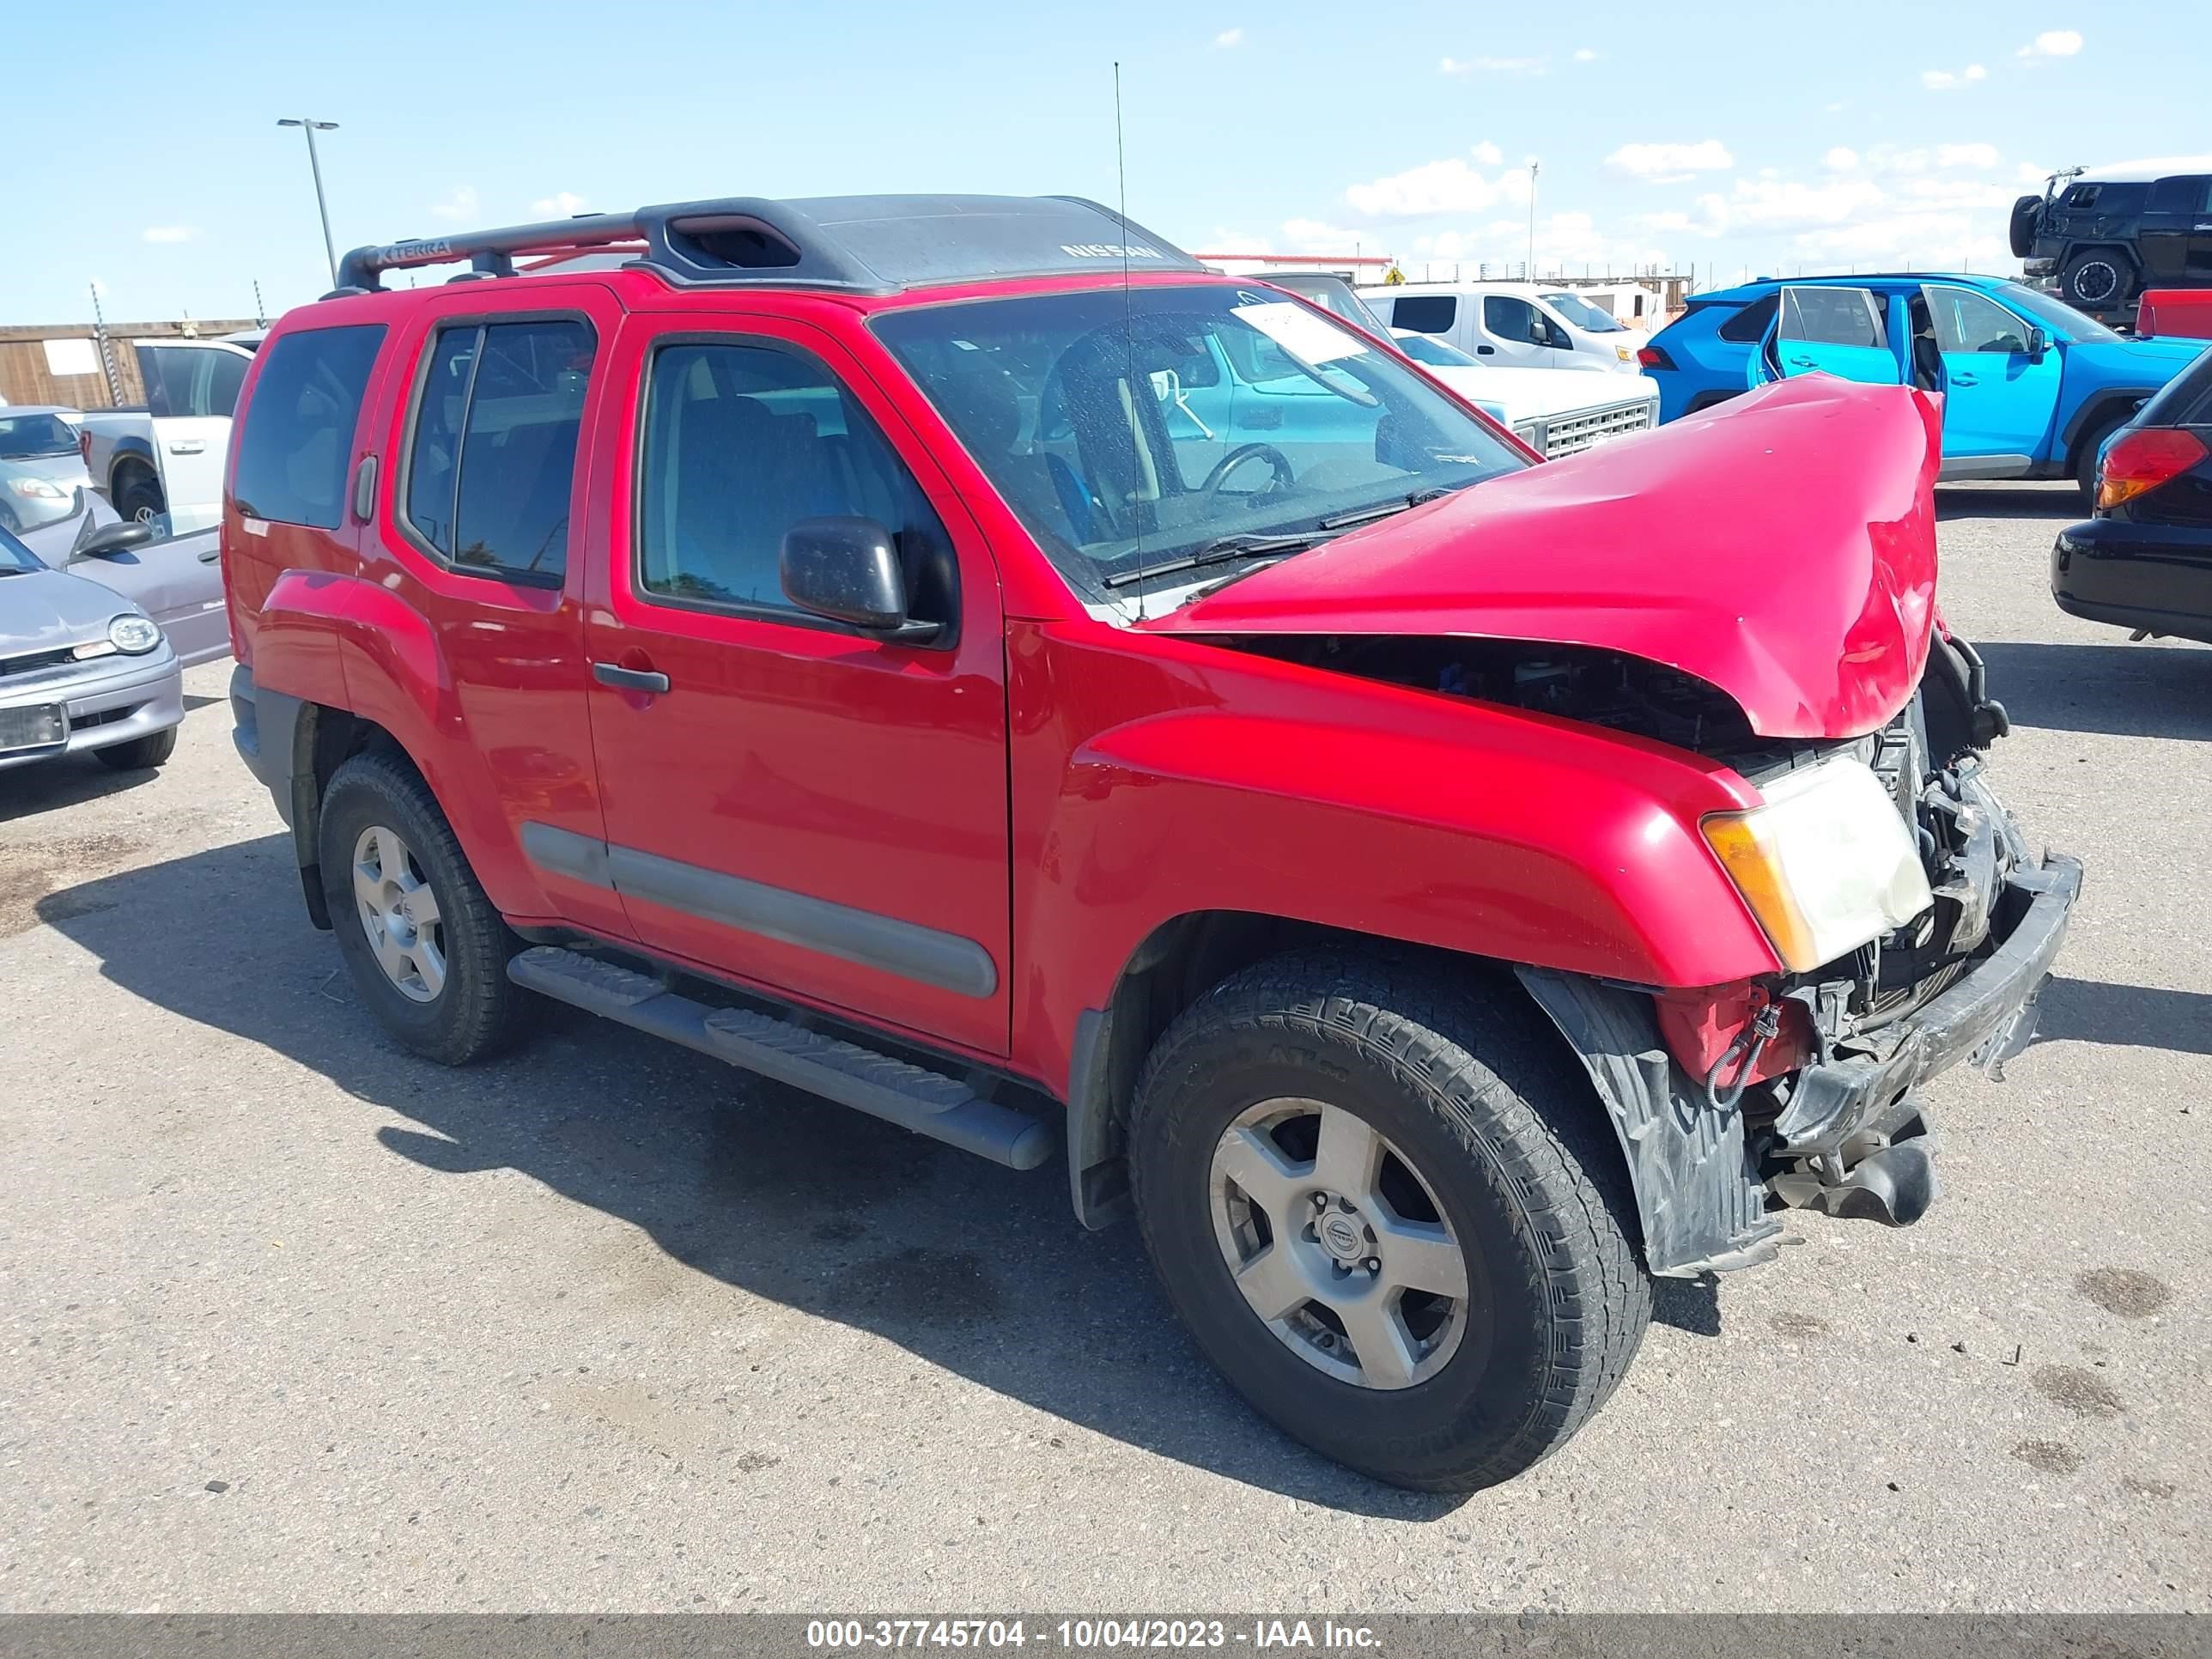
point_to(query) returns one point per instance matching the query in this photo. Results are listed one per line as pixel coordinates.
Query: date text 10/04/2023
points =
(1277, 1635)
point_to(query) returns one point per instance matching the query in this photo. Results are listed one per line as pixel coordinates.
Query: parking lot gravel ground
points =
(289, 1320)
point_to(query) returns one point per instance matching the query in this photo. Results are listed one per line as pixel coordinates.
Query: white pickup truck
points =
(1555, 414)
(168, 457)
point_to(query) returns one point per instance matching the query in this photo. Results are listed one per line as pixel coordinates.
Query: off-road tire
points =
(1467, 1078)
(140, 752)
(138, 495)
(2085, 279)
(478, 1011)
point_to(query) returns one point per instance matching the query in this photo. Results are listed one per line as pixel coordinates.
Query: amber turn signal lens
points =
(1757, 872)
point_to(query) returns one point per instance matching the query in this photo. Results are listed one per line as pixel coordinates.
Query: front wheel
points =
(1392, 1214)
(426, 950)
(140, 753)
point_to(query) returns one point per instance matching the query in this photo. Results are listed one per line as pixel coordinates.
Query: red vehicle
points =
(2170, 312)
(1437, 892)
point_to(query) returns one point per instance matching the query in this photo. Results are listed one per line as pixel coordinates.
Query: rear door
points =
(2177, 230)
(192, 391)
(1843, 332)
(1998, 399)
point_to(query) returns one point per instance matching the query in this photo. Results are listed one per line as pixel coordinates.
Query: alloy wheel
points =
(399, 914)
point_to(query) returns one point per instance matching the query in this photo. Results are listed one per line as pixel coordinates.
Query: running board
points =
(913, 1097)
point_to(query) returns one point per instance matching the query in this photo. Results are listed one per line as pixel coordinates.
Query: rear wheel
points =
(2097, 279)
(140, 752)
(1391, 1214)
(426, 951)
(138, 495)
(2085, 458)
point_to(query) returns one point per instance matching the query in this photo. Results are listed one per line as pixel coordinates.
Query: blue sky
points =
(1775, 136)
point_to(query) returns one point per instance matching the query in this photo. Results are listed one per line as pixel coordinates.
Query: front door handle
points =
(1486, 351)
(628, 680)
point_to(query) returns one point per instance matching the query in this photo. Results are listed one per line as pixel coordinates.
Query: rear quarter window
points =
(1425, 313)
(1749, 325)
(297, 440)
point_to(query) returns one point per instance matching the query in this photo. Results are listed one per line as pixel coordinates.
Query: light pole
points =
(1531, 268)
(311, 127)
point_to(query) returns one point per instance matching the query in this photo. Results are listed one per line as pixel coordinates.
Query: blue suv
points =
(2031, 387)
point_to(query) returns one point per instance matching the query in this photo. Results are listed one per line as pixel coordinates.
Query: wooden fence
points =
(61, 364)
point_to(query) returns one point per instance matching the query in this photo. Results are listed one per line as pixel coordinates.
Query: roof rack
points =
(872, 244)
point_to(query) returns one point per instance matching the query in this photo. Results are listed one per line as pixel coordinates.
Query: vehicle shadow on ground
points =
(970, 1266)
(2125, 1015)
(2060, 503)
(50, 785)
(2129, 690)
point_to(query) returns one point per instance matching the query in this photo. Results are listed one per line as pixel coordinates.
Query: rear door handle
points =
(212, 556)
(1964, 380)
(628, 680)
(1804, 362)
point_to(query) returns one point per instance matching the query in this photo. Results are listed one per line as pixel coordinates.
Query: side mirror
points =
(2039, 342)
(847, 569)
(113, 539)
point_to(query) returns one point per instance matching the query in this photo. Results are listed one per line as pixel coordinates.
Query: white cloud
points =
(2053, 43)
(1487, 154)
(1497, 65)
(1229, 38)
(1584, 55)
(461, 202)
(168, 233)
(1315, 236)
(1919, 239)
(1837, 107)
(1436, 187)
(2030, 173)
(1840, 160)
(1944, 81)
(560, 204)
(1669, 164)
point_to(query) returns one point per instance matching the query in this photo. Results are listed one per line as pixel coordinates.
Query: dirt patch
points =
(2083, 1393)
(1800, 1326)
(2136, 1486)
(29, 875)
(2124, 1291)
(2049, 1456)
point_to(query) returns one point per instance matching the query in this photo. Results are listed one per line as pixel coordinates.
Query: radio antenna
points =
(1128, 332)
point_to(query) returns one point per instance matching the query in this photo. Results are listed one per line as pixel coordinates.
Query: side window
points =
(742, 442)
(1966, 321)
(2186, 193)
(1425, 313)
(493, 451)
(1832, 316)
(1749, 325)
(297, 440)
(1509, 318)
(226, 375)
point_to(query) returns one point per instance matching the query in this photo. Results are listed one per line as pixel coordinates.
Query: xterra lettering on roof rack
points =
(855, 244)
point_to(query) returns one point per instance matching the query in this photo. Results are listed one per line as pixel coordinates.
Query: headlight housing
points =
(133, 636)
(1826, 863)
(44, 490)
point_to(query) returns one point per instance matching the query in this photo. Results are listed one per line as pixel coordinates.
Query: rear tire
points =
(138, 496)
(2098, 279)
(140, 752)
(1464, 1091)
(426, 951)
(2085, 458)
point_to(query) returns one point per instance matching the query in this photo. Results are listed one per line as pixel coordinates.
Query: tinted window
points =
(2186, 399)
(298, 437)
(1832, 316)
(508, 400)
(1509, 319)
(742, 442)
(2186, 193)
(1749, 325)
(2108, 198)
(1966, 321)
(1425, 313)
(191, 380)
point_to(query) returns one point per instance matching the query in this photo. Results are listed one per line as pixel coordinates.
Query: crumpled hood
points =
(1781, 547)
(45, 610)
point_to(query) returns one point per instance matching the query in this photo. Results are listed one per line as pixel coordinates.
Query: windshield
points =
(2061, 319)
(1334, 296)
(1134, 428)
(15, 559)
(24, 436)
(1427, 348)
(1583, 314)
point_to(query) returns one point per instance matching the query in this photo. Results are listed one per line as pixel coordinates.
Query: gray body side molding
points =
(1703, 1206)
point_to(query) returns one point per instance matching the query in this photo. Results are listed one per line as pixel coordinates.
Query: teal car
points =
(2031, 387)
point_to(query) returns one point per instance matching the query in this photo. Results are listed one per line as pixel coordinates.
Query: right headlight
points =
(135, 636)
(1826, 863)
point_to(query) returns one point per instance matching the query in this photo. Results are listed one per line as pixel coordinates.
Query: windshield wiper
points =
(1396, 504)
(1220, 551)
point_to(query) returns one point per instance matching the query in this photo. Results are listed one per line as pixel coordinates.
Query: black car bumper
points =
(2154, 577)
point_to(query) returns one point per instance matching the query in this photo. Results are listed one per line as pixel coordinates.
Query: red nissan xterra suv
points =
(1439, 892)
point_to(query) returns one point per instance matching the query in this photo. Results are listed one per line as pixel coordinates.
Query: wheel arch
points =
(2100, 413)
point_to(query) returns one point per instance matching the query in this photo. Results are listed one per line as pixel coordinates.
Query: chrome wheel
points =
(1336, 1241)
(399, 914)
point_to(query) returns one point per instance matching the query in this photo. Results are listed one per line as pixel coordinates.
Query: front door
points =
(2176, 238)
(1999, 397)
(792, 801)
(1843, 332)
(176, 580)
(1521, 336)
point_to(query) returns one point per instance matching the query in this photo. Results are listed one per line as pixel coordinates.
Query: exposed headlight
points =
(1825, 864)
(44, 490)
(133, 636)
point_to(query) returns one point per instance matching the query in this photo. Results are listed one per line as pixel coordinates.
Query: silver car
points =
(80, 668)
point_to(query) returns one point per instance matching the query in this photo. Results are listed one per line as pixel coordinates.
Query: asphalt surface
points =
(291, 1321)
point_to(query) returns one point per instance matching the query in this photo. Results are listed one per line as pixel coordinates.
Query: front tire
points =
(1390, 1211)
(139, 753)
(426, 951)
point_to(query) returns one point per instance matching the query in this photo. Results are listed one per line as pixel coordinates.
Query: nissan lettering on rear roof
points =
(1108, 250)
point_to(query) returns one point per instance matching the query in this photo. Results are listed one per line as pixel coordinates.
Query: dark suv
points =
(2107, 236)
